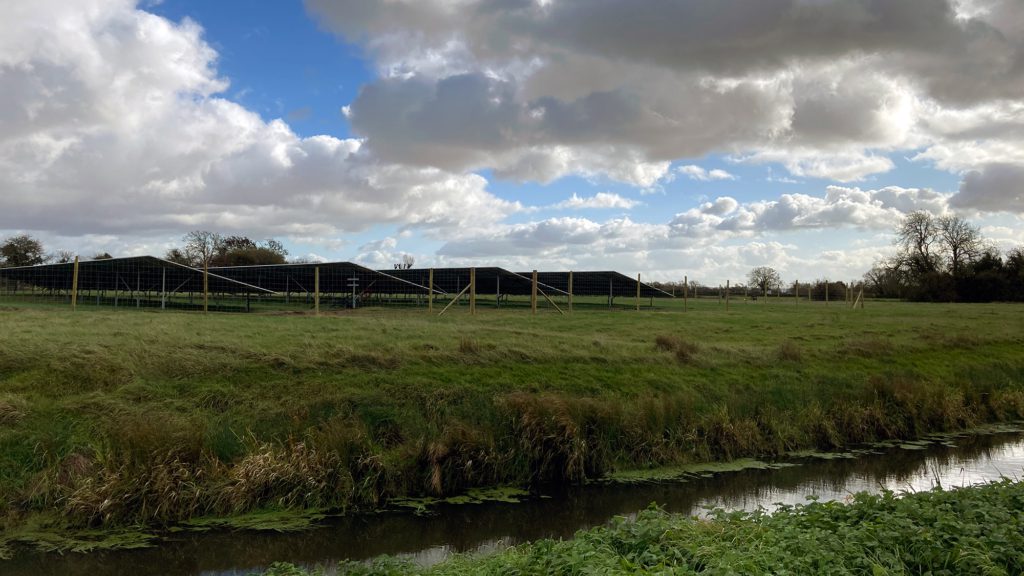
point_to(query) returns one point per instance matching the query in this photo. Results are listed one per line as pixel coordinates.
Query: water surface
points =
(488, 527)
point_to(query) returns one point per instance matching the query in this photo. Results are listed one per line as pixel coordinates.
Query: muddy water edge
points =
(440, 529)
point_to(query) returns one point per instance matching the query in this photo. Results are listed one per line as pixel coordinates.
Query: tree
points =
(961, 242)
(915, 237)
(276, 247)
(406, 263)
(102, 256)
(63, 257)
(764, 277)
(241, 251)
(22, 250)
(178, 256)
(201, 246)
(885, 281)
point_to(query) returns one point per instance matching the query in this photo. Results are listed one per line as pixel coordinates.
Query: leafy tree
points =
(764, 277)
(249, 257)
(178, 256)
(22, 250)
(242, 251)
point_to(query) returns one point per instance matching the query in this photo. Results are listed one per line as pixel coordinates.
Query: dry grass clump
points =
(108, 491)
(684, 349)
(469, 346)
(462, 457)
(289, 476)
(870, 347)
(667, 342)
(789, 352)
(550, 440)
(9, 413)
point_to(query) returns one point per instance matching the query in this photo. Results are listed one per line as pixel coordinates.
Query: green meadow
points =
(132, 418)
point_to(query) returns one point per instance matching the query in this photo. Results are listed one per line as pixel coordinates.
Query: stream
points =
(480, 528)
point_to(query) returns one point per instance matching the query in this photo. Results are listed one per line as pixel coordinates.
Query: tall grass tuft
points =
(114, 491)
(292, 475)
(684, 349)
(10, 413)
(789, 351)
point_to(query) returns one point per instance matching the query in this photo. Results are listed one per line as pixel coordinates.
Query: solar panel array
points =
(148, 282)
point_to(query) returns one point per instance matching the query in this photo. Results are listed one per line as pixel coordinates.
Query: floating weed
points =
(55, 539)
(426, 505)
(688, 471)
(822, 455)
(262, 521)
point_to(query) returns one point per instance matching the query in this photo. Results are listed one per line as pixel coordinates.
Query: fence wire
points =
(151, 283)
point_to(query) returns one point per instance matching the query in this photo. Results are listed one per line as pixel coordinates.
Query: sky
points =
(666, 138)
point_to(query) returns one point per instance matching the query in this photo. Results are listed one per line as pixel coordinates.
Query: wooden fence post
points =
(727, 295)
(570, 291)
(637, 292)
(206, 287)
(316, 290)
(472, 291)
(686, 291)
(74, 287)
(533, 294)
(430, 292)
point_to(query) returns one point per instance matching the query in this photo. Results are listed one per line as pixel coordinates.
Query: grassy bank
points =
(121, 417)
(977, 530)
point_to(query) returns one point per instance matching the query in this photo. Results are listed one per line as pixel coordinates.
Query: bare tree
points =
(915, 237)
(201, 246)
(63, 257)
(764, 277)
(885, 281)
(961, 242)
(276, 247)
(408, 261)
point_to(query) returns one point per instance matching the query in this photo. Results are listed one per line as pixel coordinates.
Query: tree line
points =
(24, 250)
(204, 248)
(198, 248)
(938, 259)
(946, 259)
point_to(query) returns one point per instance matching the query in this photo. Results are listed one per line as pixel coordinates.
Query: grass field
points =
(121, 417)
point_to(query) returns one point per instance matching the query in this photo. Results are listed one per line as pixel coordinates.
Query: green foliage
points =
(22, 250)
(968, 531)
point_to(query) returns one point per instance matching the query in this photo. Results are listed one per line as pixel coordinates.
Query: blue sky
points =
(627, 135)
(279, 61)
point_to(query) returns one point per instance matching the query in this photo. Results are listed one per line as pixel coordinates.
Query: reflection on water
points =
(490, 527)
